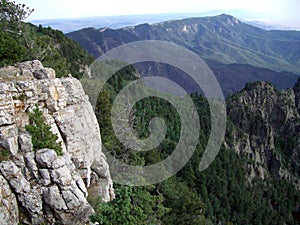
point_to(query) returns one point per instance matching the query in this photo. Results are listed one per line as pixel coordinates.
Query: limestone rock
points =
(58, 163)
(15, 178)
(25, 143)
(74, 89)
(79, 126)
(45, 157)
(35, 68)
(9, 138)
(45, 175)
(48, 188)
(9, 169)
(62, 176)
(9, 212)
(32, 202)
(53, 199)
(31, 165)
(19, 161)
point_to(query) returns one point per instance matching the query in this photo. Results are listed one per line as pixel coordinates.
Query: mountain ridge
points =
(207, 36)
(219, 40)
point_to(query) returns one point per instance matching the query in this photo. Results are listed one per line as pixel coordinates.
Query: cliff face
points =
(268, 133)
(39, 186)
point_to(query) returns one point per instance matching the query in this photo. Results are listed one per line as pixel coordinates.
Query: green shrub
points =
(42, 136)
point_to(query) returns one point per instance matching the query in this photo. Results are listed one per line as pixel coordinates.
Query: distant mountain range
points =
(220, 40)
(67, 25)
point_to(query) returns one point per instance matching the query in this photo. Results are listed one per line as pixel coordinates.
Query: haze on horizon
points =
(284, 12)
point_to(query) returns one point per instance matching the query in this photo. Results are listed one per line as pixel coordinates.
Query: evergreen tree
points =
(11, 15)
(41, 134)
(132, 206)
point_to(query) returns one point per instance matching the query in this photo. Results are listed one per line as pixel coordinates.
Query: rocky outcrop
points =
(269, 129)
(40, 186)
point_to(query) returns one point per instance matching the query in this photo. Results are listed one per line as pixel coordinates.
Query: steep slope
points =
(253, 180)
(40, 186)
(232, 78)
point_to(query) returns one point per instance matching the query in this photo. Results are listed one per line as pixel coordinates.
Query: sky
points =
(277, 10)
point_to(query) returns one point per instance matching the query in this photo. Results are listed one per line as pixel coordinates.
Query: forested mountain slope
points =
(236, 52)
(221, 38)
(253, 180)
(51, 47)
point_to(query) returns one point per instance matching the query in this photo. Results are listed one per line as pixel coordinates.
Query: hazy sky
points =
(44, 9)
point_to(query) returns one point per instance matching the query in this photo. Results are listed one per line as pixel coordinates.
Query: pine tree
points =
(41, 134)
(11, 15)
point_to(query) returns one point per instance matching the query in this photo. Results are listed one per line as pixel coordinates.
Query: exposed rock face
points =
(269, 123)
(9, 213)
(47, 187)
